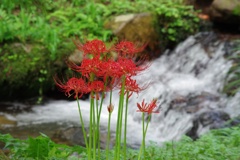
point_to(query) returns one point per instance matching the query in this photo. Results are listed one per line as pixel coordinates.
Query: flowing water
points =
(196, 66)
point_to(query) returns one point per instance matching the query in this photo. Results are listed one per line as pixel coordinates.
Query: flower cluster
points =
(101, 72)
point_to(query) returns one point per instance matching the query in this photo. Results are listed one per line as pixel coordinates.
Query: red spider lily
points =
(110, 69)
(95, 47)
(87, 66)
(128, 67)
(148, 108)
(132, 86)
(96, 87)
(127, 49)
(75, 85)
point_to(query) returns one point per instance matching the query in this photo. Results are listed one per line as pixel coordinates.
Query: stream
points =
(187, 82)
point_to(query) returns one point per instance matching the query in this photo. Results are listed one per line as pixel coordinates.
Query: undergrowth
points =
(218, 144)
(41, 32)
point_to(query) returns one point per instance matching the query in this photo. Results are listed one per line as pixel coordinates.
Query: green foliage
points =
(43, 31)
(175, 20)
(236, 10)
(219, 144)
(33, 40)
(232, 83)
(41, 148)
(33, 6)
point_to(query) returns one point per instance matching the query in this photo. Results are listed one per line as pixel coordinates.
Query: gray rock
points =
(222, 11)
(137, 28)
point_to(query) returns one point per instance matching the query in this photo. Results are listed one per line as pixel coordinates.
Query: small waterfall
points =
(195, 67)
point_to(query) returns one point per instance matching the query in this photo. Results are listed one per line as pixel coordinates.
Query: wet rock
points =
(74, 136)
(71, 136)
(209, 119)
(31, 130)
(233, 122)
(4, 121)
(214, 119)
(193, 103)
(9, 107)
(221, 11)
(205, 111)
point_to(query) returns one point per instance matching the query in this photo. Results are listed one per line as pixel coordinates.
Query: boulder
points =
(74, 136)
(138, 28)
(210, 119)
(220, 11)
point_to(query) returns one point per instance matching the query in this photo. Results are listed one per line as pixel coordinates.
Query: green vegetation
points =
(36, 36)
(219, 144)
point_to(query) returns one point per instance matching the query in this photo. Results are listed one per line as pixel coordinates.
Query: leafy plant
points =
(40, 147)
(218, 144)
(176, 22)
(48, 27)
(174, 19)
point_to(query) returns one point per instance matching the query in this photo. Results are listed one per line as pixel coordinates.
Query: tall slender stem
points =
(108, 136)
(94, 128)
(109, 123)
(119, 120)
(82, 124)
(125, 129)
(90, 126)
(143, 138)
(99, 115)
(144, 130)
(145, 133)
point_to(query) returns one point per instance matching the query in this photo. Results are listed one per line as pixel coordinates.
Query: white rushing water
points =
(190, 69)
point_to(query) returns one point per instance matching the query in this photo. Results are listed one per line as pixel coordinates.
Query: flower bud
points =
(110, 108)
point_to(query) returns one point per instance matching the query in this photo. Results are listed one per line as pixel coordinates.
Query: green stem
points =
(145, 133)
(94, 128)
(82, 124)
(142, 148)
(119, 121)
(108, 136)
(91, 119)
(99, 116)
(109, 123)
(143, 138)
(98, 124)
(125, 128)
(97, 129)
(91, 125)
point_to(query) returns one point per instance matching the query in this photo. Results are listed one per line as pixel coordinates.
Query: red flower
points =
(127, 49)
(128, 67)
(87, 66)
(75, 85)
(144, 107)
(96, 87)
(109, 69)
(95, 47)
(132, 86)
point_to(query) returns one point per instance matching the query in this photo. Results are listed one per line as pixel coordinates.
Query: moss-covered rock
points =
(138, 28)
(27, 70)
